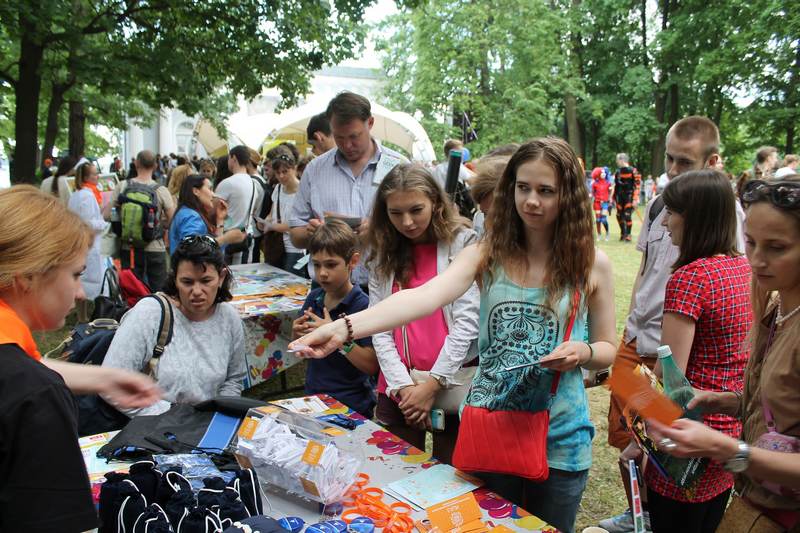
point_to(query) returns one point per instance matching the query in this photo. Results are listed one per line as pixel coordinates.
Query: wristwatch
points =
(441, 380)
(739, 462)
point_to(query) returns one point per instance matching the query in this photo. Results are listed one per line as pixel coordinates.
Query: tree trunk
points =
(792, 98)
(53, 111)
(719, 108)
(570, 100)
(659, 145)
(571, 117)
(77, 128)
(26, 113)
(645, 58)
(674, 107)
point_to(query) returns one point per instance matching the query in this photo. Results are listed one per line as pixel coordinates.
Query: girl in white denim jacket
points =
(414, 235)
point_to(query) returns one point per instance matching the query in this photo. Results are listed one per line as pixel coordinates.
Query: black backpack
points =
(266, 202)
(87, 344)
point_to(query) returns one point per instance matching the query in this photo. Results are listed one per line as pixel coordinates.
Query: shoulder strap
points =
(164, 324)
(655, 209)
(164, 332)
(576, 302)
(252, 201)
(279, 204)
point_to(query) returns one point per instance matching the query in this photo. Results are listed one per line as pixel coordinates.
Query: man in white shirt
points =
(239, 192)
(150, 262)
(790, 162)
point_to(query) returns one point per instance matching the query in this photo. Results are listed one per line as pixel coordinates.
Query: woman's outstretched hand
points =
(322, 341)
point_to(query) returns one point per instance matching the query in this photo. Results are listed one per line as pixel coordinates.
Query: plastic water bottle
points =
(676, 385)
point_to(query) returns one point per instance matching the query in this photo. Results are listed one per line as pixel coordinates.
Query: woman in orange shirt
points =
(43, 482)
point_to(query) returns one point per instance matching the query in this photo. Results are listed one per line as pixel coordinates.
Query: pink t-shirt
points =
(425, 335)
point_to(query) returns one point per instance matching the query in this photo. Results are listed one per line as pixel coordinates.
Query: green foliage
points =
(447, 57)
(125, 59)
(512, 66)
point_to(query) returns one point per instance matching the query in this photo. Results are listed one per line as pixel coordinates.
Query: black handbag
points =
(112, 306)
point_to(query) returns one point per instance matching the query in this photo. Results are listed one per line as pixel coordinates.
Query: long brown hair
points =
(572, 257)
(390, 251)
(705, 200)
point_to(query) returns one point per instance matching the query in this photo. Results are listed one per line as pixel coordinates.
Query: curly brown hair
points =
(390, 251)
(572, 257)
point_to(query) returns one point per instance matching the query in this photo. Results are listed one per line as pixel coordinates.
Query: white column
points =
(166, 133)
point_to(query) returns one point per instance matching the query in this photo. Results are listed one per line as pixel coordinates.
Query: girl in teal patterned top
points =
(537, 251)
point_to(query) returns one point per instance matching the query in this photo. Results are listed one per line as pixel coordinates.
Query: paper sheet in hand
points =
(307, 405)
(436, 484)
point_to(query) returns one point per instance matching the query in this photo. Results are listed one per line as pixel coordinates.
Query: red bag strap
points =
(576, 302)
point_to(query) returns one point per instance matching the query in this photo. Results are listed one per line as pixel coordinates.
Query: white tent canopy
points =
(396, 127)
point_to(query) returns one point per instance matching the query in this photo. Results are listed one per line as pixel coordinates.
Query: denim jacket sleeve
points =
(462, 316)
(393, 369)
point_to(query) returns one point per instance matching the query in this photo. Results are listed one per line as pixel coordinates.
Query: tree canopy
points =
(608, 75)
(114, 60)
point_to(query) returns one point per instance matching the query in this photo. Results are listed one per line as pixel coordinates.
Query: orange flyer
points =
(454, 514)
(637, 394)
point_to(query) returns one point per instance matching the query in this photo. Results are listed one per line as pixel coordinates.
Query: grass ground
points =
(604, 494)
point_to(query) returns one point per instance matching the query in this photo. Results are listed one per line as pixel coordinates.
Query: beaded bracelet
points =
(349, 324)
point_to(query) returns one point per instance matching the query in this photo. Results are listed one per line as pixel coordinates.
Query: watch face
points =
(736, 465)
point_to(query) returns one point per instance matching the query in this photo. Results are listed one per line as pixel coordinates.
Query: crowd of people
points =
(417, 310)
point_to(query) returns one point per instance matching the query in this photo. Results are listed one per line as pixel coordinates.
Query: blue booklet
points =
(434, 485)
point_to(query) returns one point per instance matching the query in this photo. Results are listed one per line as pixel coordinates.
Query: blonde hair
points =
(39, 234)
(488, 171)
(176, 178)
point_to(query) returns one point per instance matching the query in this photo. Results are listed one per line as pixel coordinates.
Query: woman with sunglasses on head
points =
(205, 357)
(200, 213)
(43, 480)
(767, 478)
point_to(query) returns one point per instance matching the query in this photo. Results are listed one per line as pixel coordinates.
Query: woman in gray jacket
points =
(414, 234)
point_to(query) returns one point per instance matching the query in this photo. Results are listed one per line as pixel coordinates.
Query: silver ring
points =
(667, 444)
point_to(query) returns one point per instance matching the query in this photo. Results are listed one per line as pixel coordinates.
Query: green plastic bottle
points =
(675, 383)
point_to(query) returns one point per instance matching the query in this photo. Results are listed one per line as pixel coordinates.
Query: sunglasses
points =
(783, 194)
(284, 158)
(193, 240)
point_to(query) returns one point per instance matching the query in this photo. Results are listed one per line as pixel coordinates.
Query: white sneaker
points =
(623, 522)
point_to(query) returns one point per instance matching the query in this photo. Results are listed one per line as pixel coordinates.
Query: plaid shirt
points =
(715, 293)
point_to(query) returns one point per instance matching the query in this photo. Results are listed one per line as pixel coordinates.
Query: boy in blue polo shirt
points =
(344, 374)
